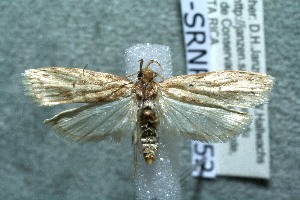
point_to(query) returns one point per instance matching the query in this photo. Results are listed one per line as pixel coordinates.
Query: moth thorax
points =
(149, 136)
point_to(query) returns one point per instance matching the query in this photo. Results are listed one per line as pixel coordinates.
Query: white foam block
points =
(159, 180)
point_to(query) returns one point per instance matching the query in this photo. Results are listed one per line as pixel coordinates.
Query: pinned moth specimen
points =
(197, 107)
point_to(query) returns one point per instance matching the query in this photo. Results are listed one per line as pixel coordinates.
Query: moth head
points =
(146, 75)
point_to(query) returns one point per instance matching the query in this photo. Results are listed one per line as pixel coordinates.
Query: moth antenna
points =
(154, 61)
(162, 78)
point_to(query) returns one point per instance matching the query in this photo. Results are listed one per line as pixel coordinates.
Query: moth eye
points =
(191, 85)
(140, 75)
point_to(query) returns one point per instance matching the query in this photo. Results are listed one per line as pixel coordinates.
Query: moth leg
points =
(84, 69)
(135, 159)
(135, 149)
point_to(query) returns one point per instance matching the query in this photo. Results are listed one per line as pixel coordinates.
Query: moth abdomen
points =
(149, 135)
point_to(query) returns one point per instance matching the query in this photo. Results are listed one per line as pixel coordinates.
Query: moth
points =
(197, 107)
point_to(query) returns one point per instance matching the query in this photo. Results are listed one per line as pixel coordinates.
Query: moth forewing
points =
(220, 88)
(59, 85)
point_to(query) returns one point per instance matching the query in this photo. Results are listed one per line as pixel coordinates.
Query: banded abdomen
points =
(149, 136)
